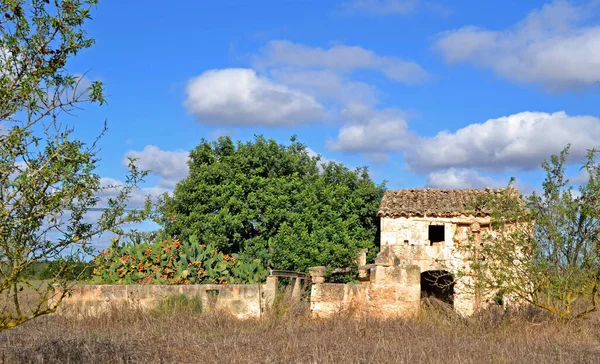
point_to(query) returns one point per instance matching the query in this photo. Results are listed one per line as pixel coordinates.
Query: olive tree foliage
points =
(543, 249)
(47, 179)
(274, 202)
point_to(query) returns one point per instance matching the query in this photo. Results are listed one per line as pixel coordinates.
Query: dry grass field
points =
(178, 333)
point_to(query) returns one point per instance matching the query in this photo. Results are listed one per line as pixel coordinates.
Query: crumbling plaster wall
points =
(408, 239)
(242, 301)
(393, 292)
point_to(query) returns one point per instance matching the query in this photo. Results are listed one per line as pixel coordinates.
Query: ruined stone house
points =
(421, 227)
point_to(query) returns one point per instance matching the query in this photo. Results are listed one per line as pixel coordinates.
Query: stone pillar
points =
(361, 258)
(361, 261)
(411, 295)
(297, 288)
(317, 277)
(317, 274)
(386, 258)
(476, 229)
(270, 291)
(395, 291)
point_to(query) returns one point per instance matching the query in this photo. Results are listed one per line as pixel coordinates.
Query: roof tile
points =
(432, 202)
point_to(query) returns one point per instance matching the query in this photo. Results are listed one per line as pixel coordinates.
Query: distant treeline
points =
(64, 269)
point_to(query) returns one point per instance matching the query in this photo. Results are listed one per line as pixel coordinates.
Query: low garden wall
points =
(387, 291)
(241, 300)
(391, 292)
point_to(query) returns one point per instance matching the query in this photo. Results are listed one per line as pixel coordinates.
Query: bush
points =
(276, 203)
(67, 269)
(173, 262)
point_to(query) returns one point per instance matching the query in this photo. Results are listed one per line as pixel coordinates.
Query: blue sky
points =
(445, 94)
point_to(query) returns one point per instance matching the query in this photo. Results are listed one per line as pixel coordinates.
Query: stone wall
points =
(243, 301)
(392, 292)
(407, 239)
(413, 230)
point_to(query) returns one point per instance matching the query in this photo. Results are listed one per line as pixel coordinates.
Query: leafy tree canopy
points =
(274, 202)
(48, 182)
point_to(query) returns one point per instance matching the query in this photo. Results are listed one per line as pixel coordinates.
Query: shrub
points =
(274, 202)
(63, 268)
(173, 262)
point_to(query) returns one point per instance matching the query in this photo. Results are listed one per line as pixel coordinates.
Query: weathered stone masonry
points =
(241, 300)
(420, 229)
(419, 232)
(392, 292)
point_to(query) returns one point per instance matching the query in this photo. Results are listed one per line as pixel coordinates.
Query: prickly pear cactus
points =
(173, 262)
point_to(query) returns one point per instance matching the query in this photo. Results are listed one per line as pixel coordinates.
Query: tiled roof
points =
(432, 202)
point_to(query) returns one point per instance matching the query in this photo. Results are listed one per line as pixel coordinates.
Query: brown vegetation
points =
(177, 333)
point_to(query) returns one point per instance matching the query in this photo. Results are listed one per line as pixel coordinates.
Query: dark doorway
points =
(438, 284)
(436, 234)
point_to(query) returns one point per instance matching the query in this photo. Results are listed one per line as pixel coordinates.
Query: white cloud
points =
(171, 166)
(9, 64)
(580, 178)
(240, 97)
(462, 178)
(339, 58)
(515, 142)
(456, 178)
(111, 188)
(323, 160)
(18, 169)
(552, 46)
(371, 131)
(326, 84)
(519, 141)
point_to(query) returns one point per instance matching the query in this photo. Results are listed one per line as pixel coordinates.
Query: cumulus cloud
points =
(339, 58)
(323, 160)
(519, 141)
(327, 85)
(553, 46)
(171, 166)
(294, 84)
(240, 97)
(515, 142)
(371, 131)
(462, 178)
(9, 63)
(111, 188)
(580, 178)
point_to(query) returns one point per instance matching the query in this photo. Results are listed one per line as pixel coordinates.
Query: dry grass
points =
(127, 335)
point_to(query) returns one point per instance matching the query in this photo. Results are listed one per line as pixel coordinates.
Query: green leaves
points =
(173, 262)
(545, 249)
(274, 203)
(48, 184)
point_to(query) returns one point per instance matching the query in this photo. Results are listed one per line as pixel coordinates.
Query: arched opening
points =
(438, 284)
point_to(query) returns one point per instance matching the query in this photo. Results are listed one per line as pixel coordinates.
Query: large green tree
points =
(48, 182)
(274, 202)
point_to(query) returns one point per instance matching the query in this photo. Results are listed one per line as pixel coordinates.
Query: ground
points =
(125, 335)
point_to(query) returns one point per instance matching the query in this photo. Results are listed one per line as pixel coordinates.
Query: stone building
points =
(420, 231)
(421, 227)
